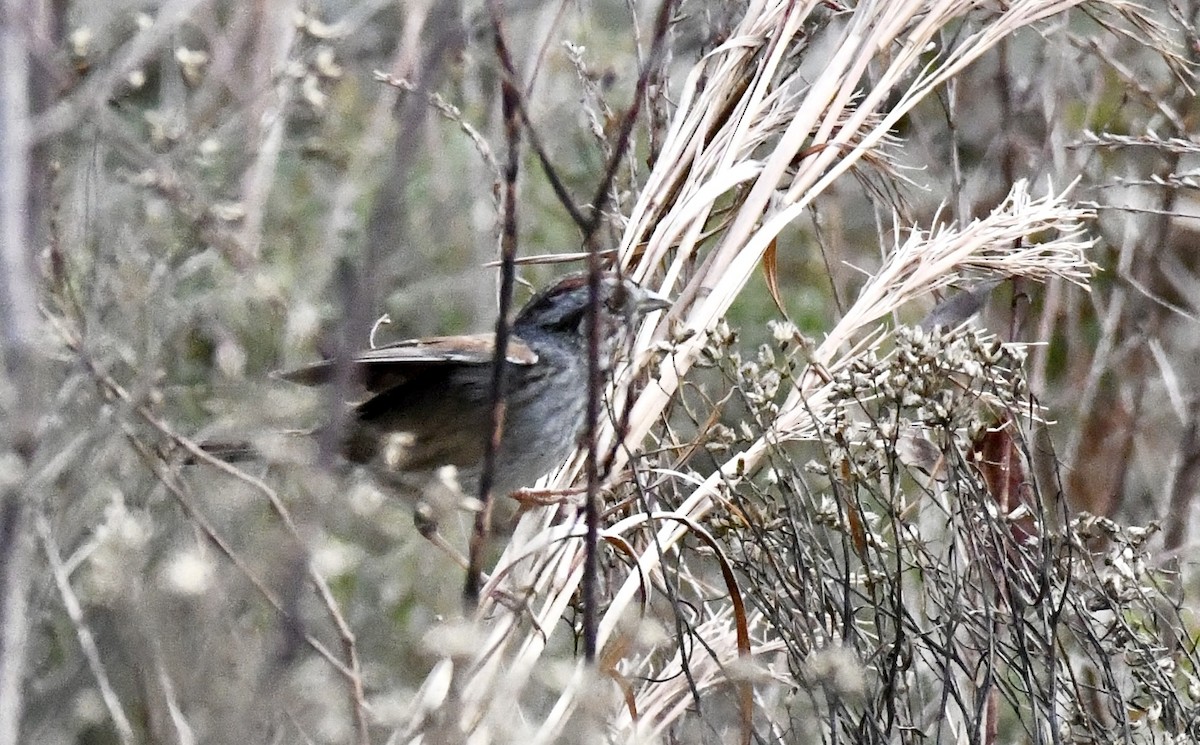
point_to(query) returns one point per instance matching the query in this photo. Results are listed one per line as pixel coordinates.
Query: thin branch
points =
(87, 642)
(510, 103)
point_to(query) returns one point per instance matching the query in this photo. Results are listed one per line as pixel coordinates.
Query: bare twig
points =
(510, 102)
(87, 642)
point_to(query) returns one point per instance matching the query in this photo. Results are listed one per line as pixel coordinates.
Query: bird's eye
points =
(619, 298)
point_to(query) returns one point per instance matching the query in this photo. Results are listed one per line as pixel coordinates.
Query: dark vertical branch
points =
(591, 566)
(516, 114)
(1004, 89)
(510, 105)
(591, 560)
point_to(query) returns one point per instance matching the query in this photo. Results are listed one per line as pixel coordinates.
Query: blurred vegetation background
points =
(217, 190)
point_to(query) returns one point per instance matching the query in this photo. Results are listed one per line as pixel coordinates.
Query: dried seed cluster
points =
(848, 555)
(938, 379)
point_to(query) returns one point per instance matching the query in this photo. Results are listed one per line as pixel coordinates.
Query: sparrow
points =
(423, 404)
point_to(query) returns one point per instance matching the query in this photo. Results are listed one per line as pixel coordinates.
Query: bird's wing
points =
(473, 349)
(393, 364)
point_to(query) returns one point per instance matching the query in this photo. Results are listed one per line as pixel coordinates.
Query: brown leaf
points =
(771, 271)
(1002, 466)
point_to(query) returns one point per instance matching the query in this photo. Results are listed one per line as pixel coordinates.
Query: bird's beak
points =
(651, 301)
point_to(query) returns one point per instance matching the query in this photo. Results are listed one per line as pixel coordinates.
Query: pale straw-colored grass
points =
(764, 139)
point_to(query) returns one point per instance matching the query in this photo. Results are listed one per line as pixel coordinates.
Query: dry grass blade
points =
(996, 247)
